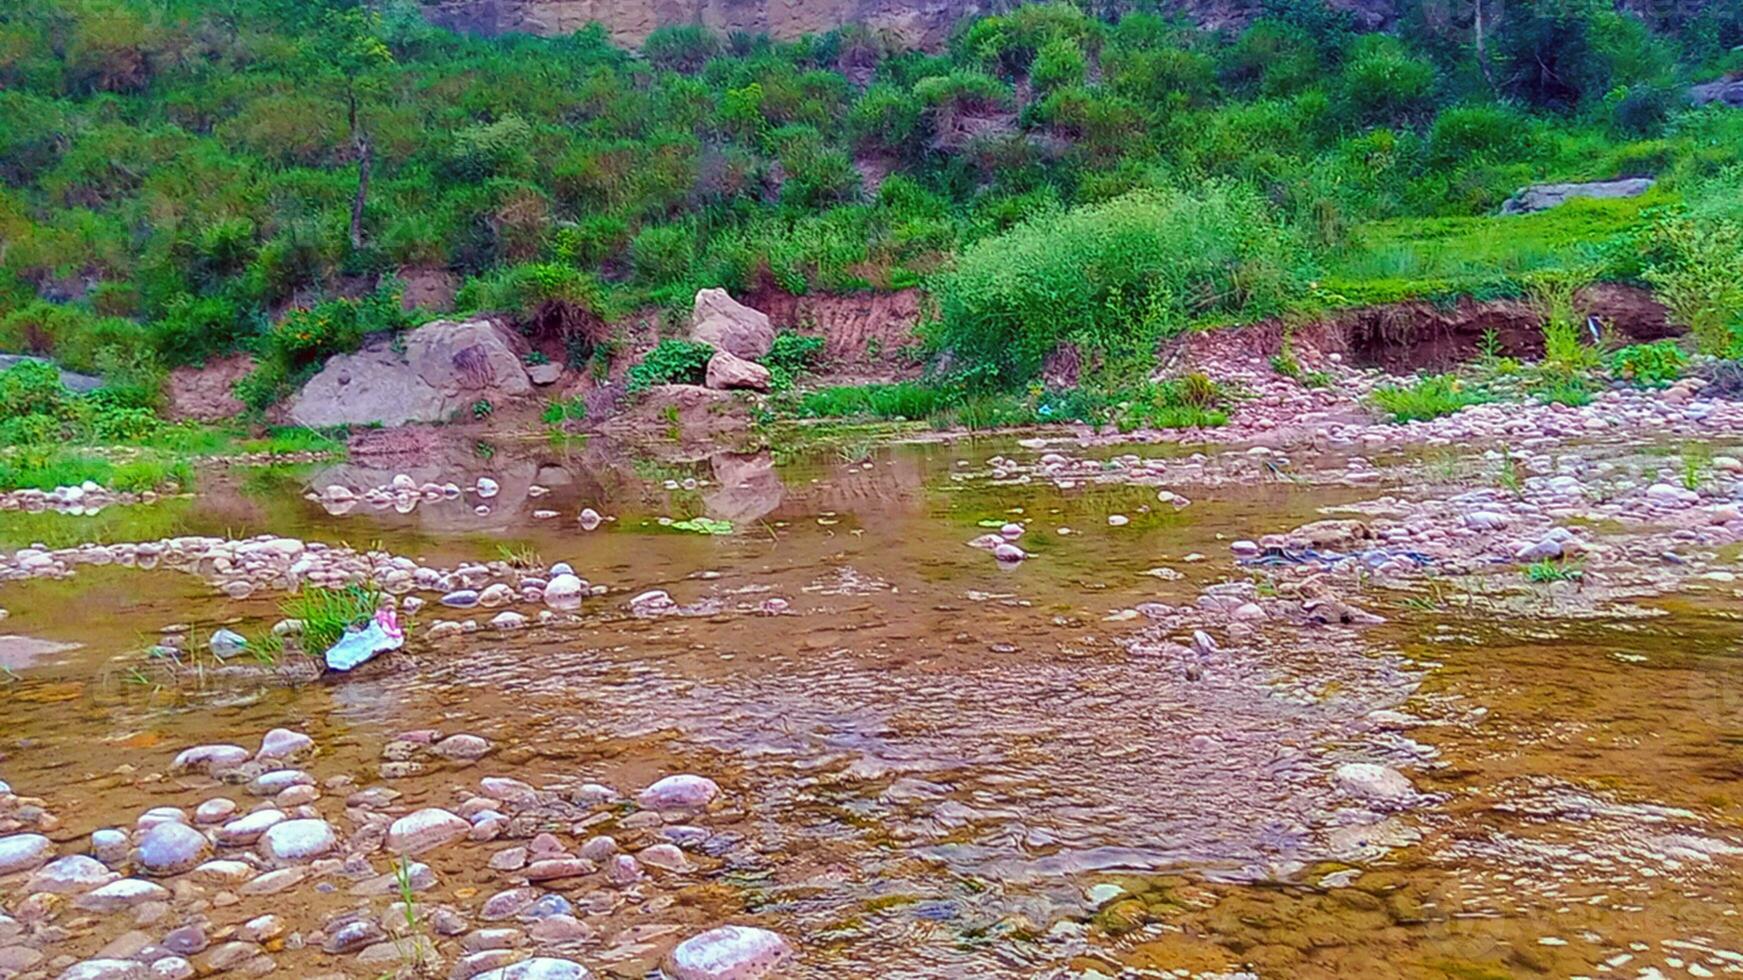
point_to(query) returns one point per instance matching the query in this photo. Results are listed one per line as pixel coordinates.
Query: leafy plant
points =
(1427, 398)
(560, 410)
(1547, 570)
(671, 362)
(1653, 365)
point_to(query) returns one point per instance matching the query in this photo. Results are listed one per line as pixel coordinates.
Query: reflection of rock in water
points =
(747, 488)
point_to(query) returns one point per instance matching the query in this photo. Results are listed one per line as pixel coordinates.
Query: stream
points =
(931, 763)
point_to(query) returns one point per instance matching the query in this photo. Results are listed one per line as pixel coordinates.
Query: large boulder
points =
(447, 366)
(1542, 197)
(728, 371)
(725, 324)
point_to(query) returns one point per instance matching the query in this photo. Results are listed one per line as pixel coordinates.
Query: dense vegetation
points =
(180, 178)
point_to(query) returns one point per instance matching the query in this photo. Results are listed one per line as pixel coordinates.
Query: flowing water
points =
(940, 766)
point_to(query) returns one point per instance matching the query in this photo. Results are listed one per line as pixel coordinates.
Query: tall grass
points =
(327, 613)
(1427, 398)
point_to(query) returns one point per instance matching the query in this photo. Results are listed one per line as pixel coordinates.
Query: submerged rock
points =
(74, 874)
(681, 792)
(211, 757)
(24, 852)
(282, 743)
(298, 840)
(1371, 781)
(171, 848)
(728, 953)
(538, 968)
(425, 830)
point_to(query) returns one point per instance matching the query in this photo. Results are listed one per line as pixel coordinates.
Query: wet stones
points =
(71, 875)
(210, 758)
(171, 848)
(24, 852)
(107, 969)
(282, 743)
(1008, 553)
(225, 644)
(109, 846)
(564, 592)
(538, 968)
(425, 830)
(681, 792)
(352, 936)
(460, 599)
(247, 829)
(728, 953)
(120, 895)
(462, 748)
(665, 857)
(1373, 782)
(295, 841)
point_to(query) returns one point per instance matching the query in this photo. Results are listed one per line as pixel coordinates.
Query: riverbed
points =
(1093, 761)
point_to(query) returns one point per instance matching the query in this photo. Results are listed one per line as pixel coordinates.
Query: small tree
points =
(346, 54)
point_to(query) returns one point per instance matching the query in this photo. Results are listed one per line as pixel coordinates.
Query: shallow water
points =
(933, 760)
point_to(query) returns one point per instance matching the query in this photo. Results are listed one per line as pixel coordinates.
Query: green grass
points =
(46, 469)
(1547, 570)
(909, 400)
(1484, 256)
(327, 613)
(1428, 398)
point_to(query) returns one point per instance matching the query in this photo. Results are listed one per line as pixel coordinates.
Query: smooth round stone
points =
(728, 953)
(247, 828)
(538, 968)
(5, 787)
(107, 969)
(680, 792)
(666, 857)
(124, 894)
(547, 906)
(298, 840)
(564, 592)
(279, 780)
(462, 747)
(211, 757)
(460, 599)
(109, 846)
(282, 743)
(1009, 553)
(74, 874)
(1373, 782)
(425, 830)
(171, 968)
(170, 849)
(24, 852)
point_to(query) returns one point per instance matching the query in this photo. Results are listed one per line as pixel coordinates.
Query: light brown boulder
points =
(447, 366)
(725, 324)
(727, 372)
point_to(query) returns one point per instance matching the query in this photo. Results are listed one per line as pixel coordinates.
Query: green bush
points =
(1652, 365)
(671, 362)
(662, 254)
(791, 355)
(1427, 398)
(1117, 277)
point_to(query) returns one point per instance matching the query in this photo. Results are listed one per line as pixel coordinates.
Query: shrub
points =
(1114, 278)
(791, 355)
(544, 300)
(192, 328)
(1699, 277)
(662, 254)
(1059, 63)
(1382, 81)
(671, 362)
(1427, 398)
(681, 48)
(1652, 365)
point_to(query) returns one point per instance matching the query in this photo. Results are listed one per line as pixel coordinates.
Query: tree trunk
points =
(365, 153)
(360, 141)
(1483, 49)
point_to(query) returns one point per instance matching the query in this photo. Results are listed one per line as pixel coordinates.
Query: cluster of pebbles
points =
(84, 499)
(203, 890)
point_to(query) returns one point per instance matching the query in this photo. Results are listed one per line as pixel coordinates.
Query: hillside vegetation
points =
(184, 178)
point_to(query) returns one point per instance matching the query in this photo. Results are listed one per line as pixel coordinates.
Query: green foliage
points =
(1699, 278)
(1547, 570)
(327, 613)
(297, 345)
(560, 410)
(1117, 277)
(671, 361)
(1653, 365)
(1427, 398)
(791, 355)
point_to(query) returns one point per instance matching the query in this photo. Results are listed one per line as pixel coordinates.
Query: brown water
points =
(933, 761)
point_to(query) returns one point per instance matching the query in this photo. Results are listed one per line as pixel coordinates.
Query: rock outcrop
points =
(728, 372)
(724, 323)
(447, 366)
(1542, 197)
